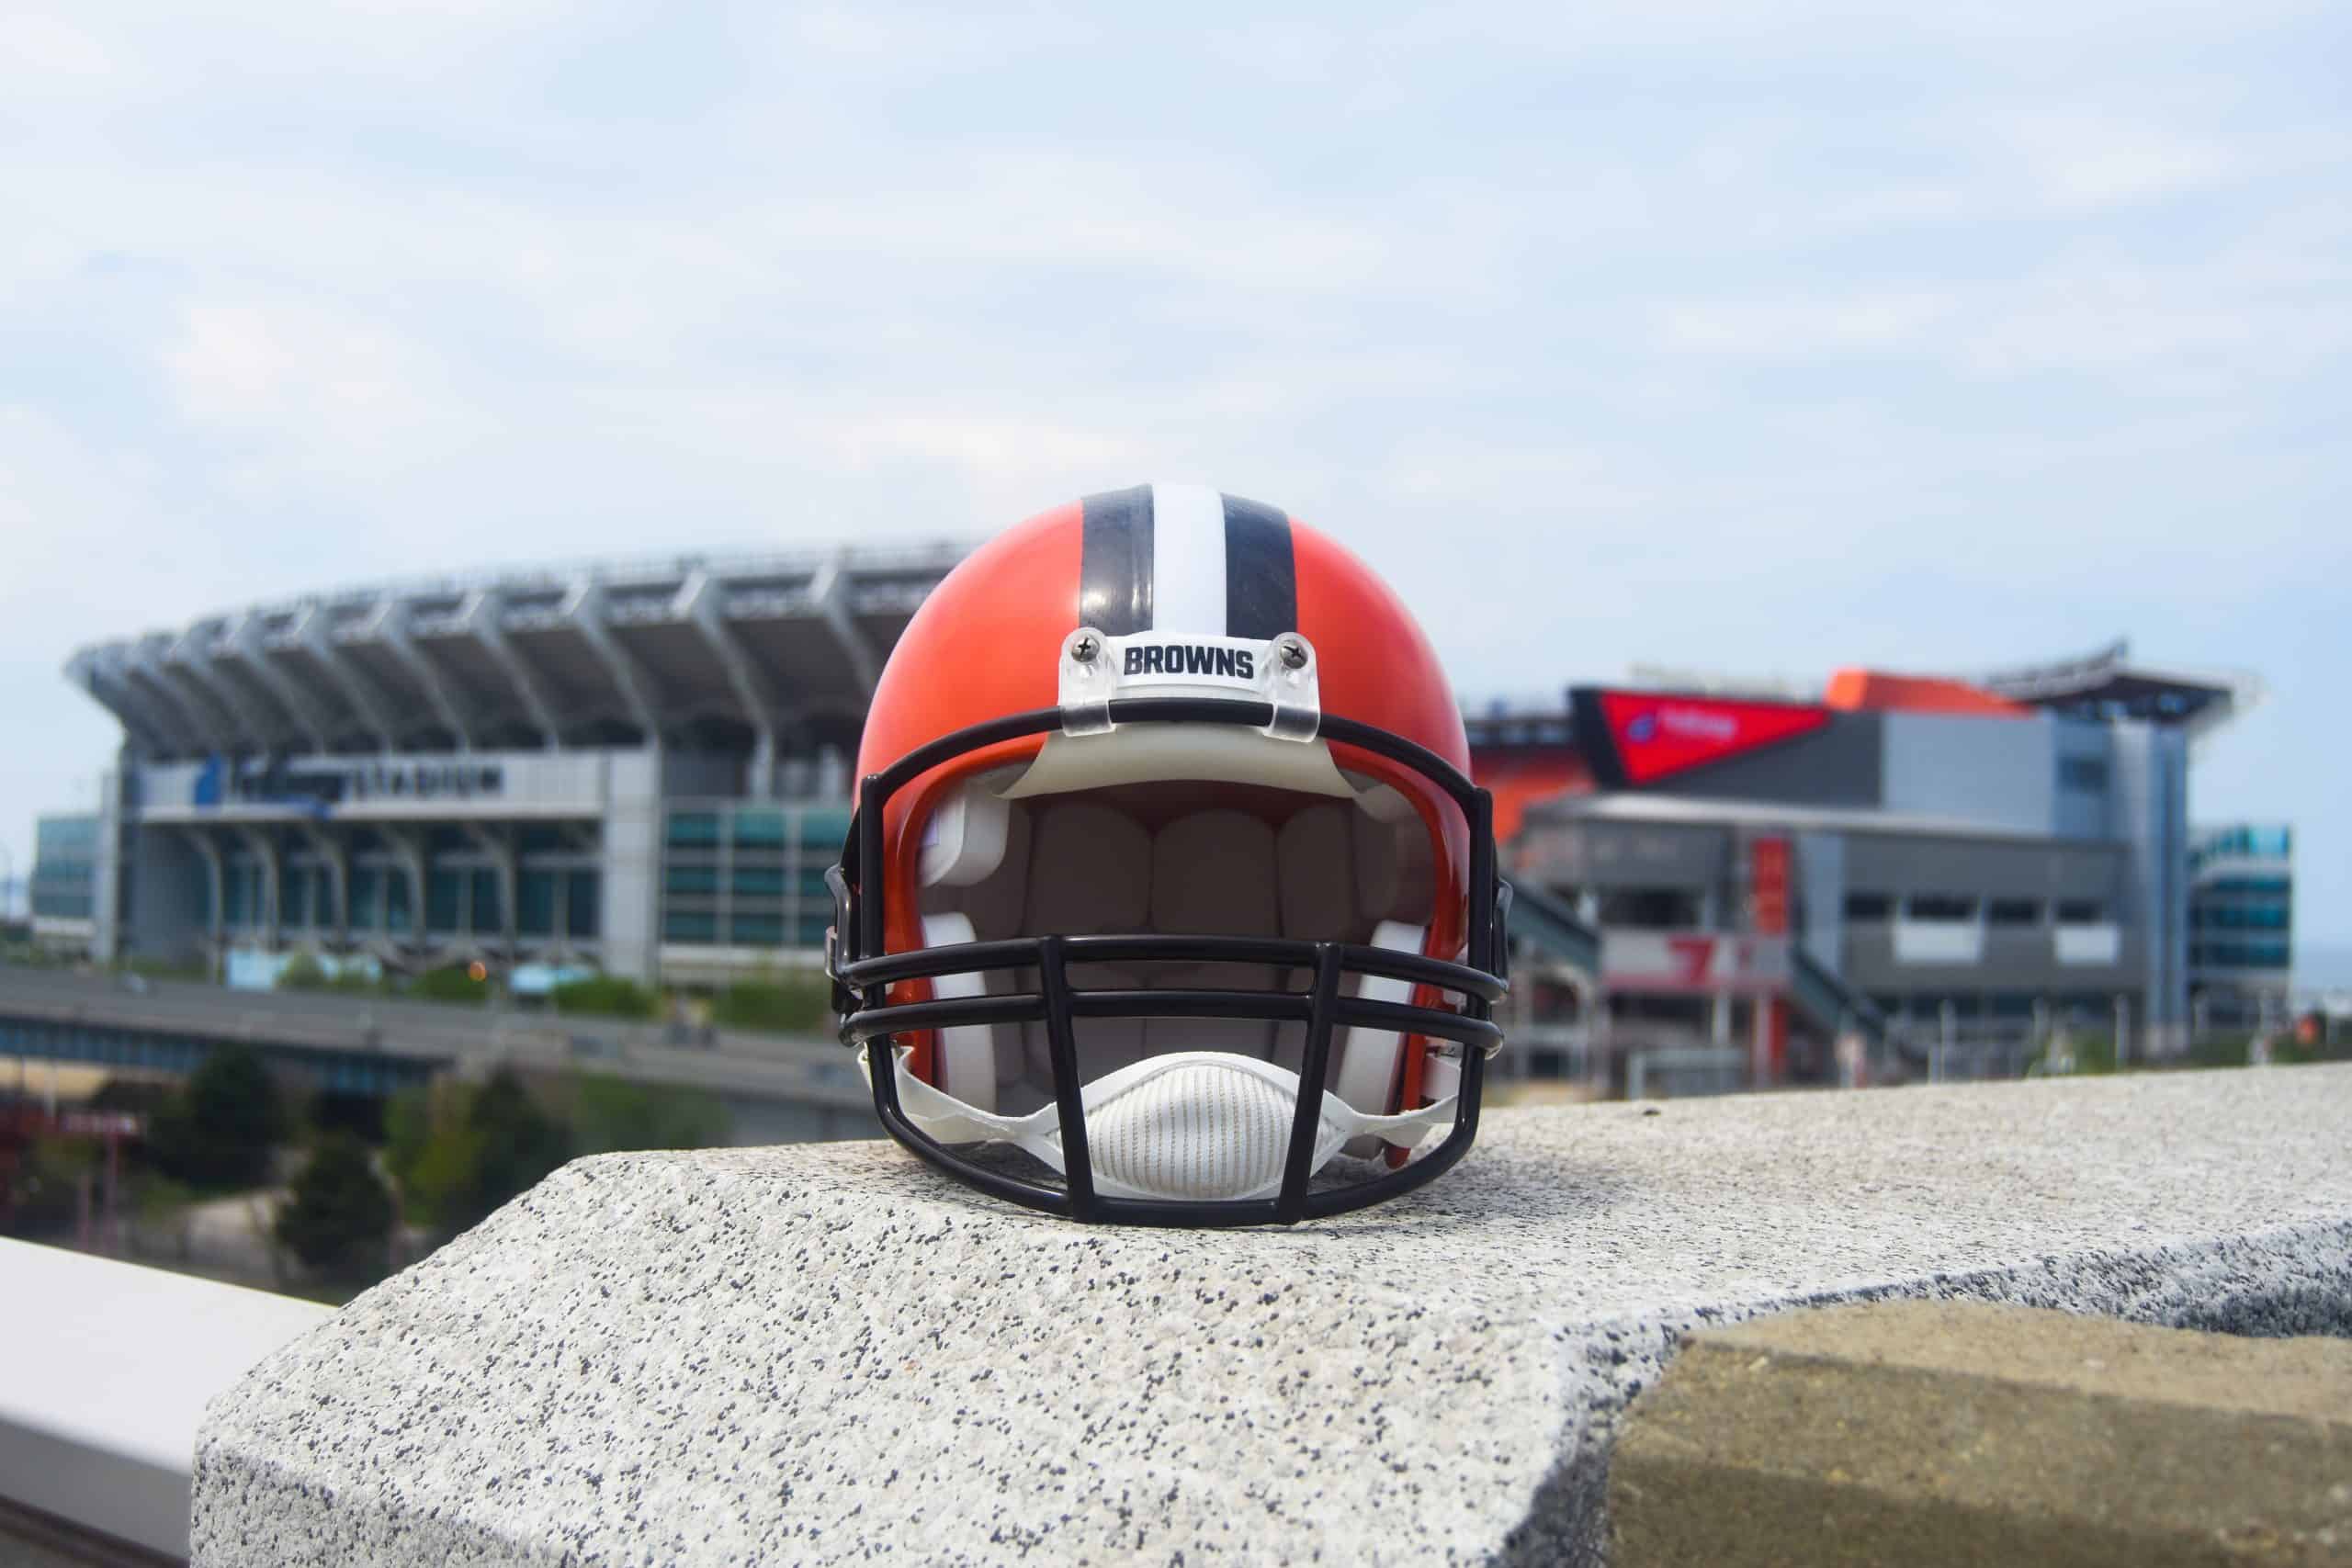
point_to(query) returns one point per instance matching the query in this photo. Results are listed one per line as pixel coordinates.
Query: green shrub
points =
(304, 972)
(605, 996)
(455, 984)
(780, 1004)
(2219, 1051)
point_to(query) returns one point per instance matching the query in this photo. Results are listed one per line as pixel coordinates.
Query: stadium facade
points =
(644, 768)
(638, 767)
(1976, 863)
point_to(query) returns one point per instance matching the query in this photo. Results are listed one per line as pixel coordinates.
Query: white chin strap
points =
(1191, 1125)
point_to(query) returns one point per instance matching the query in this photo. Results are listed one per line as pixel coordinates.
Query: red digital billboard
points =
(1654, 734)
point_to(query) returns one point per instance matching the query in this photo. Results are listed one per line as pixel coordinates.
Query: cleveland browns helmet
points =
(1167, 898)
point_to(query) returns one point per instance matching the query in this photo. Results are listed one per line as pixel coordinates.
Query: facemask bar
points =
(860, 969)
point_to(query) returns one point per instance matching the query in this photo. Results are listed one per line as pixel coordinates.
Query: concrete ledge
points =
(826, 1353)
(109, 1366)
(1946, 1433)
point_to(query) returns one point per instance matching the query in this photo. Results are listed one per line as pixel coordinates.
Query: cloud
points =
(1772, 338)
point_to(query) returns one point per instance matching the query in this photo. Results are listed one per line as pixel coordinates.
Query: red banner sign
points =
(1657, 735)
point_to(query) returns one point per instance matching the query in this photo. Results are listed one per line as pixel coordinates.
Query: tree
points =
(220, 1129)
(610, 1113)
(460, 1150)
(341, 1214)
(516, 1144)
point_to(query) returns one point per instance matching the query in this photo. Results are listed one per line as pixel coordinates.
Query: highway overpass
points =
(781, 1088)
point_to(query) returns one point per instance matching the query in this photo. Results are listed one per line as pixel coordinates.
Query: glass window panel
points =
(2082, 773)
(367, 888)
(759, 827)
(689, 925)
(445, 895)
(823, 828)
(486, 913)
(535, 896)
(2013, 912)
(692, 828)
(1867, 905)
(2081, 912)
(758, 881)
(1940, 906)
(690, 879)
(755, 931)
(582, 902)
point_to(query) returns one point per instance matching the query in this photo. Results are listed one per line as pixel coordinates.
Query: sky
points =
(1763, 339)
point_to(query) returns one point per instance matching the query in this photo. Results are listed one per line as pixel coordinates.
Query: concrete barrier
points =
(828, 1354)
(1939, 1434)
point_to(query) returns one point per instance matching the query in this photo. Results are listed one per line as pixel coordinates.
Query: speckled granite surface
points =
(827, 1354)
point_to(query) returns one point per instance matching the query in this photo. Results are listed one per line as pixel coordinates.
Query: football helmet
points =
(1167, 898)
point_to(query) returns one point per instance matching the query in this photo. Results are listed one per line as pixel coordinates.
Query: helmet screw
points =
(1084, 650)
(1294, 653)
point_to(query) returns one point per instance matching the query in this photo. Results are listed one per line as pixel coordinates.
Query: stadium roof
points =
(771, 651)
(2105, 684)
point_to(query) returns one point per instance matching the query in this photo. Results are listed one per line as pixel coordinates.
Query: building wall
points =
(1983, 917)
(108, 874)
(2241, 924)
(2150, 802)
(1997, 771)
(65, 863)
(632, 863)
(169, 895)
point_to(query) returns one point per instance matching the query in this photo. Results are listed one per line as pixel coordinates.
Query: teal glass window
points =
(445, 895)
(755, 931)
(582, 900)
(535, 896)
(689, 925)
(824, 828)
(759, 827)
(367, 891)
(757, 881)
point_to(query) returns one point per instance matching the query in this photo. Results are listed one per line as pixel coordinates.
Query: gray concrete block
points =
(824, 1354)
(1958, 1434)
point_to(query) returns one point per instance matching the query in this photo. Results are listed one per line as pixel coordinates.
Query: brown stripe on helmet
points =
(1260, 571)
(1114, 562)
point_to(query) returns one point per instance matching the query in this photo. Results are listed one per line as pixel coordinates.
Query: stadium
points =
(642, 769)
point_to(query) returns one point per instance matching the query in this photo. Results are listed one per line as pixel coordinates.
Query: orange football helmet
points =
(1167, 898)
